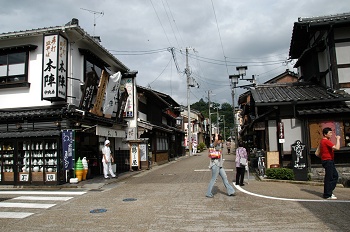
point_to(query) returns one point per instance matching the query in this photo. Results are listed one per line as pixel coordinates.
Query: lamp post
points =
(234, 81)
(224, 126)
(211, 128)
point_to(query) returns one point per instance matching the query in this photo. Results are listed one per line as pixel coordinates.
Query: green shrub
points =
(280, 173)
(201, 146)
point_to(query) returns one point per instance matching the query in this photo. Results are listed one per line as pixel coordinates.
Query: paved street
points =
(171, 197)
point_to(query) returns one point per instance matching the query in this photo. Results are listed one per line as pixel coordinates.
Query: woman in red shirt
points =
(327, 156)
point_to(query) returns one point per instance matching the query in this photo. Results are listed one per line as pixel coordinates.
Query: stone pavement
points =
(253, 183)
(171, 197)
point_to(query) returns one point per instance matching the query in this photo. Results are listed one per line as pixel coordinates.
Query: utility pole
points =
(217, 119)
(189, 134)
(210, 135)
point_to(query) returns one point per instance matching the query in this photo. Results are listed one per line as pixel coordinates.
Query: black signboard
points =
(299, 161)
(89, 90)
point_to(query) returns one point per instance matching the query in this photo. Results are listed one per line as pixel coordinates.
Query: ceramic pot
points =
(36, 169)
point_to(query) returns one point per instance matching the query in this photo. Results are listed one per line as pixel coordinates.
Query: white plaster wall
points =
(272, 127)
(292, 132)
(29, 97)
(343, 53)
(24, 96)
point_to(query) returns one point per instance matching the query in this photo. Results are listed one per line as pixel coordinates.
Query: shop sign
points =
(112, 92)
(131, 133)
(134, 152)
(89, 90)
(100, 94)
(54, 75)
(129, 108)
(143, 151)
(280, 131)
(68, 148)
(108, 132)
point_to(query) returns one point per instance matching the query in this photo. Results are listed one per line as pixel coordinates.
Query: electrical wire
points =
(149, 84)
(161, 23)
(217, 25)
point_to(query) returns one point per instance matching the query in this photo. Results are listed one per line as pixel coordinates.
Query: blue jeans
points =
(330, 178)
(215, 171)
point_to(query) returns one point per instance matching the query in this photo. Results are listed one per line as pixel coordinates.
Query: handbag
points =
(243, 161)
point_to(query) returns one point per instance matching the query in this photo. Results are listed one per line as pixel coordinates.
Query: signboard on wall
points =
(54, 74)
(108, 132)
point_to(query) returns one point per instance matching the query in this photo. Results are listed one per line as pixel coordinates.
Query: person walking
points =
(241, 163)
(216, 166)
(326, 149)
(228, 145)
(107, 160)
(194, 147)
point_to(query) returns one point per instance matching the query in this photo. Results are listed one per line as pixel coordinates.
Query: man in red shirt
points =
(327, 156)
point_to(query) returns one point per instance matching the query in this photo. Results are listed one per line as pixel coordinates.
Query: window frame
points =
(8, 80)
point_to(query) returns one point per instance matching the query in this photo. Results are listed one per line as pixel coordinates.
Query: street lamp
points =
(234, 81)
(224, 126)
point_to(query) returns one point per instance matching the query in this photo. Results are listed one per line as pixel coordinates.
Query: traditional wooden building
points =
(319, 99)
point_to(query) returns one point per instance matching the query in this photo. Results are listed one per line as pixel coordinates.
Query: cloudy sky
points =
(219, 35)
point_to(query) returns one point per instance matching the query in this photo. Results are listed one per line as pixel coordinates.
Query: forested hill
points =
(224, 111)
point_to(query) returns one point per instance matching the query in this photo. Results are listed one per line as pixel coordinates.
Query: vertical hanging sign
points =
(280, 132)
(68, 148)
(134, 155)
(112, 91)
(54, 75)
(129, 108)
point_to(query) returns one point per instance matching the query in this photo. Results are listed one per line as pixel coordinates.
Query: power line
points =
(170, 23)
(217, 25)
(160, 23)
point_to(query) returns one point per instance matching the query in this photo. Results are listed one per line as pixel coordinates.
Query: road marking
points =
(25, 205)
(209, 170)
(34, 198)
(286, 199)
(14, 215)
(41, 193)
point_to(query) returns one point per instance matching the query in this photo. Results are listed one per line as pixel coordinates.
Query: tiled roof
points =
(24, 134)
(60, 29)
(295, 93)
(34, 113)
(324, 109)
(306, 26)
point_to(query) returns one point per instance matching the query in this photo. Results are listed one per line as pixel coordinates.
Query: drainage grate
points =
(98, 211)
(129, 199)
(96, 190)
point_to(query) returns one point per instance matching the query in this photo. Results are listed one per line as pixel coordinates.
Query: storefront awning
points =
(109, 132)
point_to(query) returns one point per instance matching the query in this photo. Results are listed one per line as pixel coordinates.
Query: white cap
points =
(107, 142)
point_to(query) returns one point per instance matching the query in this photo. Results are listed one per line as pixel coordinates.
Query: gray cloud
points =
(250, 31)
